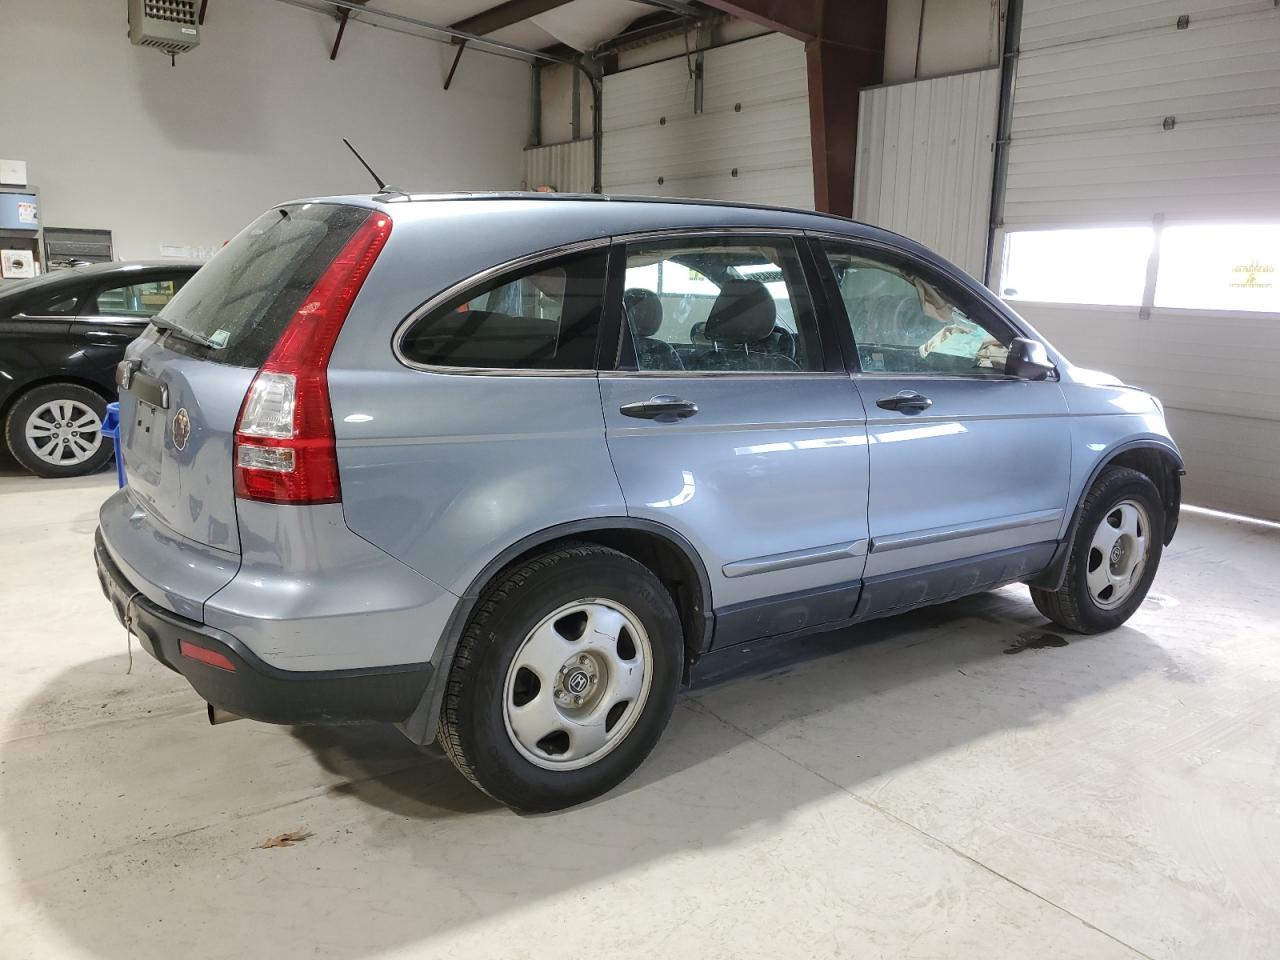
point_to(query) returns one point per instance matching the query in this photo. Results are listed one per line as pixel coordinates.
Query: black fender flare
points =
(1053, 575)
(422, 723)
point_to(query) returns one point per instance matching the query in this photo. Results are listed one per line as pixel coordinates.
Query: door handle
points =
(664, 409)
(905, 401)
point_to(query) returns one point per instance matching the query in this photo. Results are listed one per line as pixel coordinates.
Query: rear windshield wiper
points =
(182, 333)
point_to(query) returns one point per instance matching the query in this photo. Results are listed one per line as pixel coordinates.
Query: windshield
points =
(234, 309)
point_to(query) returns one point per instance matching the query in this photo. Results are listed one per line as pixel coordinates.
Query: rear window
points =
(241, 300)
(544, 317)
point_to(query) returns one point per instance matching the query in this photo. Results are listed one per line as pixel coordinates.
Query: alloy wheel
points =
(63, 432)
(1118, 554)
(577, 684)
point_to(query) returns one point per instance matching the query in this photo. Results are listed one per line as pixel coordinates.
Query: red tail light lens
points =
(285, 447)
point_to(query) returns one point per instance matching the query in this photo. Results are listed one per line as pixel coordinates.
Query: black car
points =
(61, 336)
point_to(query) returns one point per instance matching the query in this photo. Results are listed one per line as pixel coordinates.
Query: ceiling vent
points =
(167, 25)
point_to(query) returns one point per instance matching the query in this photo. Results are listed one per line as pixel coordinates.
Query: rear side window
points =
(240, 301)
(543, 317)
(59, 302)
(139, 301)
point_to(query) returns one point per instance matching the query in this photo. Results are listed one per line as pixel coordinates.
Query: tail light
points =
(285, 447)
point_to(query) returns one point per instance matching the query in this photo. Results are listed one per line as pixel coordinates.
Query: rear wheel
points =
(1114, 556)
(564, 678)
(55, 430)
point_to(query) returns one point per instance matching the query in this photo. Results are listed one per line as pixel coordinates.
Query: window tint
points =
(711, 304)
(61, 302)
(139, 300)
(904, 323)
(542, 318)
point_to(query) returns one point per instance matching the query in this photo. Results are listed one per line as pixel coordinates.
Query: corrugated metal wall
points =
(1095, 82)
(749, 143)
(565, 167)
(925, 158)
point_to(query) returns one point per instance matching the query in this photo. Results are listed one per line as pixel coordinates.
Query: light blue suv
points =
(508, 469)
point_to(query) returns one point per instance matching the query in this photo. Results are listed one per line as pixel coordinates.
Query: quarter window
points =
(141, 301)
(719, 304)
(543, 318)
(905, 323)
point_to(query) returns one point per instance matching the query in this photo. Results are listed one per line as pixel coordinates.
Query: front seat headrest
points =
(744, 312)
(644, 310)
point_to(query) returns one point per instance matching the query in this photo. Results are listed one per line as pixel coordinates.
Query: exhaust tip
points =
(217, 715)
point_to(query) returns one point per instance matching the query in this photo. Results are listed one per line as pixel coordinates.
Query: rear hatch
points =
(183, 382)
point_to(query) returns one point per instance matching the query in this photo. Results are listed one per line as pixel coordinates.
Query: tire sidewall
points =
(499, 766)
(15, 429)
(1114, 488)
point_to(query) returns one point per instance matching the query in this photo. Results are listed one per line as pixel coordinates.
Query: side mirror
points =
(1028, 360)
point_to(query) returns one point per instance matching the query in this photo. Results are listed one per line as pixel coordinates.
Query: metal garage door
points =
(1163, 117)
(749, 142)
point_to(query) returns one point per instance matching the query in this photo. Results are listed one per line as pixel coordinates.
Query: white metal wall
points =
(750, 142)
(925, 158)
(565, 167)
(1089, 146)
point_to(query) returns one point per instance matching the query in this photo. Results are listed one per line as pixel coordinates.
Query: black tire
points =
(473, 729)
(20, 447)
(1072, 605)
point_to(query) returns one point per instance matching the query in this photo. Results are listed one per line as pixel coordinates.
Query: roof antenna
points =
(382, 185)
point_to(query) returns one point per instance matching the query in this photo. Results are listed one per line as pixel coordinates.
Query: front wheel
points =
(55, 430)
(1114, 556)
(564, 678)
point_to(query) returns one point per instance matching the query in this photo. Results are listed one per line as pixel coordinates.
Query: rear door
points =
(728, 421)
(184, 380)
(966, 462)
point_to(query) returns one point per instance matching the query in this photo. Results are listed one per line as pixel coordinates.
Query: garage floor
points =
(922, 788)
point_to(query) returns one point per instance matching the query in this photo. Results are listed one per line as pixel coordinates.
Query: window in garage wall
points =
(1220, 267)
(1224, 267)
(1092, 265)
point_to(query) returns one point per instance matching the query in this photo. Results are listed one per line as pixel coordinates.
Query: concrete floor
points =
(908, 790)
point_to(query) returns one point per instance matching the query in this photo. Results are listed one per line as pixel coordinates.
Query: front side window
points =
(140, 301)
(719, 304)
(542, 318)
(904, 323)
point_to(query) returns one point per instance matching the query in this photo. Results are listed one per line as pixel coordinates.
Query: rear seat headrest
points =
(744, 312)
(644, 310)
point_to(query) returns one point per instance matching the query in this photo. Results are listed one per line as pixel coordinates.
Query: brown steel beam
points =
(504, 15)
(835, 77)
(849, 23)
(844, 52)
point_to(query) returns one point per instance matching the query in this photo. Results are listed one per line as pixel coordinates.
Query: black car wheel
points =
(1114, 557)
(564, 678)
(55, 430)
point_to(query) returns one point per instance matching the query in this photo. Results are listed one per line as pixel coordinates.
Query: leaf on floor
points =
(285, 839)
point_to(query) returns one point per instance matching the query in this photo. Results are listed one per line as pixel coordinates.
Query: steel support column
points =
(844, 50)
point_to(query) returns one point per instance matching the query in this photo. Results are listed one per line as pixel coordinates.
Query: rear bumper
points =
(243, 683)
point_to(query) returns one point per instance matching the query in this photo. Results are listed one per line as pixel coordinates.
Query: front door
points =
(728, 422)
(967, 464)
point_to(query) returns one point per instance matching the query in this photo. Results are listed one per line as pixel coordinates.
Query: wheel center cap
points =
(1117, 553)
(577, 681)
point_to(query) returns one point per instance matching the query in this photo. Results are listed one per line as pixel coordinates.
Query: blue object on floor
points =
(111, 428)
